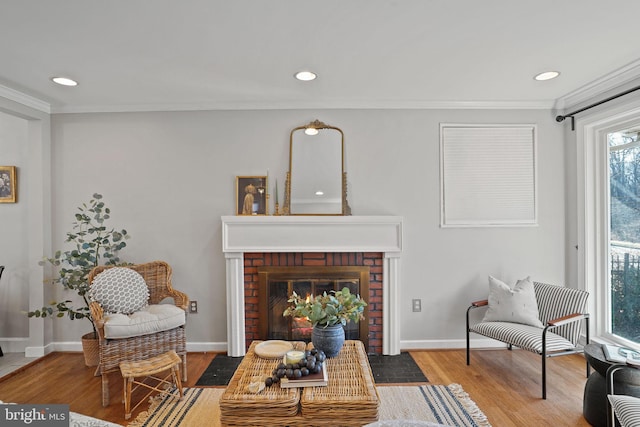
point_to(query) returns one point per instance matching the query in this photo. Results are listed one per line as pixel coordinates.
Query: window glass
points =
(624, 233)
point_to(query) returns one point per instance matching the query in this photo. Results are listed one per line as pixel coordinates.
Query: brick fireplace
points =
(373, 260)
(250, 241)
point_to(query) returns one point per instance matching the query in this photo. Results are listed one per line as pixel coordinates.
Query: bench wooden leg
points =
(184, 368)
(127, 397)
(175, 371)
(105, 389)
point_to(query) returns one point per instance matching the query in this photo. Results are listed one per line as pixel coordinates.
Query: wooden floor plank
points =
(505, 385)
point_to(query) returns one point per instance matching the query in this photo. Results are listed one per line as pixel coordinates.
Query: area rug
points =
(445, 405)
(396, 369)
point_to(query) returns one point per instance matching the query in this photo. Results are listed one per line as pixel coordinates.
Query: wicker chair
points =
(157, 276)
(561, 310)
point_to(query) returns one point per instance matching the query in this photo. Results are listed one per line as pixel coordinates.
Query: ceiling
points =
(137, 55)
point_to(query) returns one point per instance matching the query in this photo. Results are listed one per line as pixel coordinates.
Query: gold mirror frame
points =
(286, 209)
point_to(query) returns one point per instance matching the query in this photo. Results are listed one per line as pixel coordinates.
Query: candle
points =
(294, 356)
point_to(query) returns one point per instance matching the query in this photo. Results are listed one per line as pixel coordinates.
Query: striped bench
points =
(561, 311)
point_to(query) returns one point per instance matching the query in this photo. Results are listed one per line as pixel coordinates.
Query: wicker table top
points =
(350, 394)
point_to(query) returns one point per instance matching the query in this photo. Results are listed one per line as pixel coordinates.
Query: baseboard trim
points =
(450, 344)
(219, 347)
(39, 351)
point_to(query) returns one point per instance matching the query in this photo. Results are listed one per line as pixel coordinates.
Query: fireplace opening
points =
(276, 284)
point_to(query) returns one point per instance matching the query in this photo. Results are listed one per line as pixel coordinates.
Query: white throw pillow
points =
(120, 290)
(516, 305)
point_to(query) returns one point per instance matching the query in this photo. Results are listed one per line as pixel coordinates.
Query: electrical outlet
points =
(417, 305)
(193, 306)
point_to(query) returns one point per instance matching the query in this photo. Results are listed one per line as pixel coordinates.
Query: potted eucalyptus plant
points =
(92, 244)
(328, 313)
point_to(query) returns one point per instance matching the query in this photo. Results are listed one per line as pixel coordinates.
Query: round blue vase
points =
(329, 339)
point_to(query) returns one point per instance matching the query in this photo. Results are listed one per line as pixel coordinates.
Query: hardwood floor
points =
(504, 384)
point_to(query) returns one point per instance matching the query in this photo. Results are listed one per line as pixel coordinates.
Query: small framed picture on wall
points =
(8, 184)
(251, 195)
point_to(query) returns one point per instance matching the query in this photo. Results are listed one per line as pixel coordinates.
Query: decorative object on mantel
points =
(328, 313)
(92, 243)
(276, 208)
(8, 184)
(316, 182)
(252, 195)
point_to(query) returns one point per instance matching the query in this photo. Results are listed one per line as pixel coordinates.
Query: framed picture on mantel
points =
(251, 195)
(8, 184)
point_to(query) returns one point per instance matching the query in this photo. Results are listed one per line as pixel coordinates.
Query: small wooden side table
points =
(147, 369)
(595, 403)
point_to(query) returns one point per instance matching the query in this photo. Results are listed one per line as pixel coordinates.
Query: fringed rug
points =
(448, 405)
(439, 404)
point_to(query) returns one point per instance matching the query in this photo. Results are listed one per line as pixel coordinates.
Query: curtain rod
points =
(561, 118)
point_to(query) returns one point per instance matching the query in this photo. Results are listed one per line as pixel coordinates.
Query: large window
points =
(607, 219)
(624, 233)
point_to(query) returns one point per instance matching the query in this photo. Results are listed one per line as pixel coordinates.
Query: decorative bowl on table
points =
(273, 349)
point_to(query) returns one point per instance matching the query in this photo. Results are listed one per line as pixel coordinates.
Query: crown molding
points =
(24, 99)
(306, 105)
(610, 81)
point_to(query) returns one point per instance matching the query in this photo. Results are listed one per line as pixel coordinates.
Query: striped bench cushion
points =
(627, 409)
(523, 336)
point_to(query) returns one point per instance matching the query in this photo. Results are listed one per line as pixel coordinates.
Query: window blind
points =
(488, 175)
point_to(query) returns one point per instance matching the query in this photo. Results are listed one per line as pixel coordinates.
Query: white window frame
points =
(593, 211)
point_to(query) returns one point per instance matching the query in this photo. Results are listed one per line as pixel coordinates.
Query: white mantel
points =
(259, 234)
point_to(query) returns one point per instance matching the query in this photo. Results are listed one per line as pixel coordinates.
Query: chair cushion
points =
(524, 336)
(153, 318)
(120, 290)
(627, 409)
(517, 304)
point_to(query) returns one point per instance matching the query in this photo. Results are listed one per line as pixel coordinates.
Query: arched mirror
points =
(316, 181)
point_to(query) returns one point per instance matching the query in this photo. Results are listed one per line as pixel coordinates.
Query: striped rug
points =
(432, 405)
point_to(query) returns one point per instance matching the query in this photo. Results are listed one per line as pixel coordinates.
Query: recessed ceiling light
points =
(306, 76)
(311, 131)
(64, 81)
(547, 75)
(319, 193)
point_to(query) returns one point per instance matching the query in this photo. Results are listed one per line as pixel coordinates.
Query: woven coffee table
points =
(350, 395)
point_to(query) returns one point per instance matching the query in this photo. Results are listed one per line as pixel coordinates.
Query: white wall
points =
(168, 178)
(28, 236)
(14, 284)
